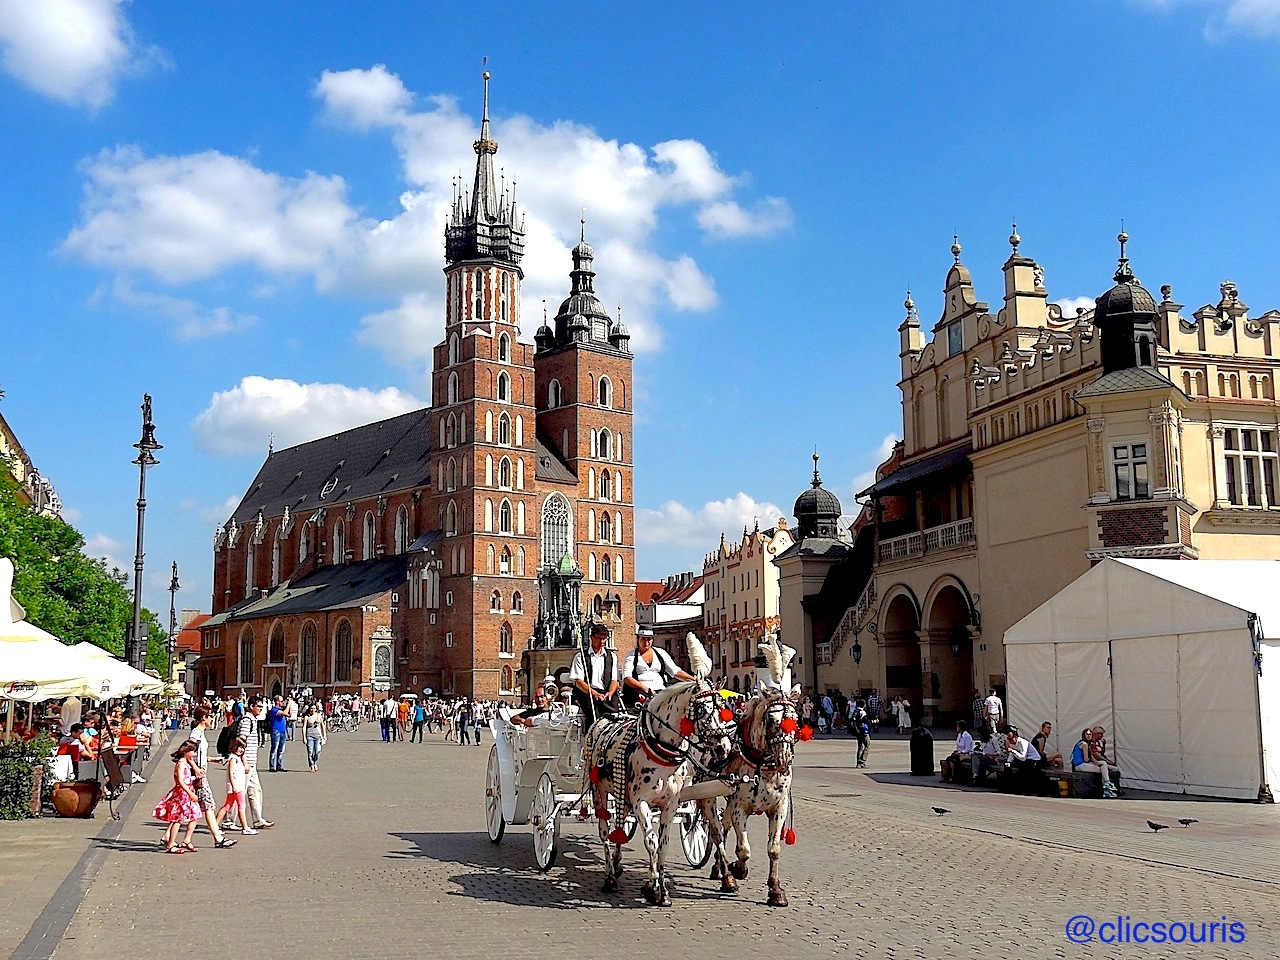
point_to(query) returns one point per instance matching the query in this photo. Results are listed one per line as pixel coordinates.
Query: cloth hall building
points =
(1034, 445)
(430, 549)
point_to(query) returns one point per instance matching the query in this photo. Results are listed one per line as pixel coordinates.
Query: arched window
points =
(402, 529)
(617, 528)
(339, 542)
(488, 426)
(488, 470)
(554, 395)
(308, 648)
(370, 535)
(451, 518)
(275, 644)
(504, 387)
(617, 569)
(442, 436)
(489, 560)
(597, 604)
(342, 652)
(606, 490)
(508, 680)
(617, 451)
(479, 295)
(606, 445)
(606, 568)
(505, 644)
(451, 474)
(249, 551)
(504, 473)
(520, 517)
(591, 524)
(275, 560)
(504, 430)
(520, 474)
(606, 528)
(504, 342)
(488, 515)
(453, 349)
(453, 388)
(504, 562)
(520, 562)
(451, 431)
(504, 517)
(517, 602)
(495, 602)
(304, 542)
(556, 529)
(591, 482)
(519, 430)
(591, 567)
(244, 662)
(606, 392)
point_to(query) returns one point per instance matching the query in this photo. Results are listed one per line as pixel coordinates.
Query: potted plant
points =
(22, 767)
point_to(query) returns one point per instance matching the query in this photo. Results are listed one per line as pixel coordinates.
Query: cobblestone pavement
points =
(384, 850)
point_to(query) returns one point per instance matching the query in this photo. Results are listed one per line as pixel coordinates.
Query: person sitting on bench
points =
(963, 753)
(1041, 742)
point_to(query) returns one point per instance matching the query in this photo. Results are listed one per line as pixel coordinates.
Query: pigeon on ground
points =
(940, 811)
(1187, 821)
(1157, 827)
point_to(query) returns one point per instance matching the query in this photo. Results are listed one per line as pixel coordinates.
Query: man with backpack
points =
(860, 727)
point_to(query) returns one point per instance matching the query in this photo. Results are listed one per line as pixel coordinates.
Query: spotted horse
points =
(761, 768)
(645, 761)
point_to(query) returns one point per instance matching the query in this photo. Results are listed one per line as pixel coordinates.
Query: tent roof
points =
(1155, 597)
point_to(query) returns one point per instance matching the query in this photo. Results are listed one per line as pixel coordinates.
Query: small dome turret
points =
(817, 511)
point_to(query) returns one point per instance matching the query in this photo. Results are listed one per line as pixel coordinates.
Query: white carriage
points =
(534, 776)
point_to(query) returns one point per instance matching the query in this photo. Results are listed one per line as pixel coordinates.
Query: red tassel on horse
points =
(686, 727)
(788, 724)
(806, 732)
(789, 837)
(617, 835)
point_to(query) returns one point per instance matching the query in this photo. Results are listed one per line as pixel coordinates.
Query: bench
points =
(1087, 784)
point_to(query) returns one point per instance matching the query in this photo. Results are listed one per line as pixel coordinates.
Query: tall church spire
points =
(487, 225)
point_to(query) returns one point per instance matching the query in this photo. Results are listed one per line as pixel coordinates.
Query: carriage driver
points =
(595, 677)
(648, 669)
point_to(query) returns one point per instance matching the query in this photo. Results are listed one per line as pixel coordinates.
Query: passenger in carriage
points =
(541, 708)
(647, 670)
(595, 677)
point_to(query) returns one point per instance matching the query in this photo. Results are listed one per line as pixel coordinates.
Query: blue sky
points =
(238, 208)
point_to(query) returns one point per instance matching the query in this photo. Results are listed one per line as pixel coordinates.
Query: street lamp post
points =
(136, 648)
(174, 587)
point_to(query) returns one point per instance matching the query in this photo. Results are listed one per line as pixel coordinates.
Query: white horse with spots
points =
(768, 729)
(655, 755)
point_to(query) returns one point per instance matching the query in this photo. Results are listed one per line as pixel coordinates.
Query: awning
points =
(954, 460)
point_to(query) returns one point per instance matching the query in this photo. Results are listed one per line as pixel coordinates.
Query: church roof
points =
(551, 463)
(1130, 380)
(364, 461)
(330, 587)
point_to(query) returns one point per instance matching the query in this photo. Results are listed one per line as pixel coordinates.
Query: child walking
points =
(180, 806)
(237, 782)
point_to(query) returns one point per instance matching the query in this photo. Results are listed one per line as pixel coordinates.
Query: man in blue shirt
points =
(278, 719)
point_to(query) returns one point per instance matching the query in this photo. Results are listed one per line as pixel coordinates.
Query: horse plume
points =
(773, 656)
(698, 658)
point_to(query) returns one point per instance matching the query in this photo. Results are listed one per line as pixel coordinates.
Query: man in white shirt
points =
(1023, 757)
(595, 677)
(995, 712)
(291, 716)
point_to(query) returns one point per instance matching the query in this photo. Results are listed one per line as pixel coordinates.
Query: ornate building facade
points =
(1034, 445)
(472, 517)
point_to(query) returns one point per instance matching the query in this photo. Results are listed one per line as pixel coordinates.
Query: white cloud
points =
(1259, 18)
(187, 218)
(239, 420)
(219, 511)
(729, 219)
(680, 526)
(873, 460)
(1072, 305)
(70, 50)
(190, 320)
(112, 552)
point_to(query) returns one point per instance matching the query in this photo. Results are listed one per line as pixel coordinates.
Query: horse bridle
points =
(760, 757)
(660, 752)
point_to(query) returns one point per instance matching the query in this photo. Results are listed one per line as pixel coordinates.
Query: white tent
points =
(124, 679)
(1174, 658)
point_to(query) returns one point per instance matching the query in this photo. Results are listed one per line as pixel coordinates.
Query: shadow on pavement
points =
(505, 872)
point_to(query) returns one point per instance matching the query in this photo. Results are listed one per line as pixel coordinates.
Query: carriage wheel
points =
(493, 797)
(695, 838)
(546, 823)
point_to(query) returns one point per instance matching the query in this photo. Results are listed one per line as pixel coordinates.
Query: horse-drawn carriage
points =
(667, 766)
(535, 775)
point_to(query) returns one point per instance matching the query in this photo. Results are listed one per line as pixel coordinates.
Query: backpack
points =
(225, 738)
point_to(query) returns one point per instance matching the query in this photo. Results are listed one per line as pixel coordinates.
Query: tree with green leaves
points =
(72, 596)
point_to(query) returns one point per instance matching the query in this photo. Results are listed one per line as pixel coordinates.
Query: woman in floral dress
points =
(181, 805)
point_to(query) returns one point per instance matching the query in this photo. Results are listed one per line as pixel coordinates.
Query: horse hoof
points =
(664, 900)
(739, 869)
(716, 872)
(610, 884)
(728, 884)
(649, 894)
(777, 898)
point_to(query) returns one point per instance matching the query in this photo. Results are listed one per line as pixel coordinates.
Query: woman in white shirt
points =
(647, 670)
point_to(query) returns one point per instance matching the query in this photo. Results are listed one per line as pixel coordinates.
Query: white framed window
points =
(448, 599)
(555, 396)
(517, 602)
(504, 430)
(453, 388)
(505, 643)
(448, 639)
(495, 602)
(504, 342)
(606, 392)
(1130, 471)
(1250, 457)
(504, 388)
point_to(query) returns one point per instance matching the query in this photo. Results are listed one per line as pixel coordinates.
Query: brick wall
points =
(1135, 527)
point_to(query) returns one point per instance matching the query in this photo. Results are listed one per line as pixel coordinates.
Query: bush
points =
(17, 757)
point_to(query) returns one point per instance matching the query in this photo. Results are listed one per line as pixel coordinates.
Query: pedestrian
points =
(902, 714)
(449, 726)
(180, 807)
(382, 721)
(994, 709)
(202, 720)
(464, 723)
(860, 724)
(419, 721)
(979, 709)
(253, 719)
(278, 720)
(237, 779)
(874, 708)
(402, 719)
(478, 714)
(291, 715)
(316, 733)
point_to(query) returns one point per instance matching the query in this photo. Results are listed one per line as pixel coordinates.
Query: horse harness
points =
(759, 757)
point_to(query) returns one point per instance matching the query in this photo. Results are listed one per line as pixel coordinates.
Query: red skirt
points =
(176, 806)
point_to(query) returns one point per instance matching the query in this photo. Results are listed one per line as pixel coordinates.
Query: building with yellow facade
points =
(1035, 444)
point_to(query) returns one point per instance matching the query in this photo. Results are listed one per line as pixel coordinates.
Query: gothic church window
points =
(504, 517)
(517, 601)
(453, 349)
(308, 647)
(244, 662)
(606, 445)
(504, 473)
(504, 388)
(504, 342)
(504, 562)
(342, 652)
(453, 388)
(554, 396)
(339, 542)
(606, 392)
(489, 559)
(370, 535)
(479, 295)
(505, 644)
(556, 529)
(275, 644)
(504, 430)
(402, 530)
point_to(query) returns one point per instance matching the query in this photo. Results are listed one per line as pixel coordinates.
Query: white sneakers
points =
(249, 831)
(138, 779)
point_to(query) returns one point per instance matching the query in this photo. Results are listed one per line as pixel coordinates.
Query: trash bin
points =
(921, 753)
